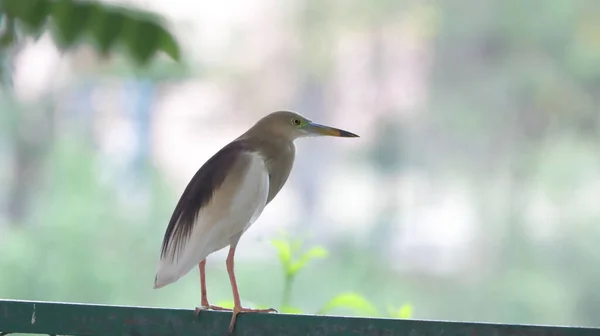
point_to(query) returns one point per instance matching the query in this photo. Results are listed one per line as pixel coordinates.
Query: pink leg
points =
(236, 295)
(204, 299)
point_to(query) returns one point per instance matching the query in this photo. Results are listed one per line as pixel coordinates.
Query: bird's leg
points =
(237, 307)
(204, 300)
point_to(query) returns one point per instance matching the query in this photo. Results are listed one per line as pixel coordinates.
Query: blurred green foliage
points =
(292, 260)
(106, 27)
(83, 217)
(80, 219)
(291, 263)
(512, 112)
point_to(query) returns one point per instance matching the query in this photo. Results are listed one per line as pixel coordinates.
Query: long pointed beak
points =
(319, 129)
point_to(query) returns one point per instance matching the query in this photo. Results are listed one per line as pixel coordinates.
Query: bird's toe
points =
(210, 307)
(213, 307)
(253, 310)
(238, 310)
(199, 309)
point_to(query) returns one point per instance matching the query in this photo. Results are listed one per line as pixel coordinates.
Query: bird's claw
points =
(210, 307)
(199, 309)
(237, 310)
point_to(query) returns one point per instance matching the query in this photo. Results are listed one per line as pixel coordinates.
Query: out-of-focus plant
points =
(404, 312)
(353, 301)
(105, 27)
(362, 306)
(293, 260)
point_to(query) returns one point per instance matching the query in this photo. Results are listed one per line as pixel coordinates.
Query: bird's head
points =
(292, 125)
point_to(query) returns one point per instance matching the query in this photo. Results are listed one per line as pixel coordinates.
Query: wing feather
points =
(221, 201)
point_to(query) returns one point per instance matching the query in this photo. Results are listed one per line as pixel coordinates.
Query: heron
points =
(227, 195)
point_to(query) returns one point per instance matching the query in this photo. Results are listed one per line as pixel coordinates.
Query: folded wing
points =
(227, 194)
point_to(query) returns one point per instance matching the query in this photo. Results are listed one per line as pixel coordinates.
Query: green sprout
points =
(293, 259)
(353, 301)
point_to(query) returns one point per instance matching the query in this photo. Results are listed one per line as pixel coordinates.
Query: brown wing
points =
(198, 194)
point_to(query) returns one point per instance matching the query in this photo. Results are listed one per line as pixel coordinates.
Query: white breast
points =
(234, 207)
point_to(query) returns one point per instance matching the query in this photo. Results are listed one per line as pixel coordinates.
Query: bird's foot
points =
(237, 310)
(207, 306)
(213, 307)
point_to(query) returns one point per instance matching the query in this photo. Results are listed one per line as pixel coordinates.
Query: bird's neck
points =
(277, 149)
(279, 157)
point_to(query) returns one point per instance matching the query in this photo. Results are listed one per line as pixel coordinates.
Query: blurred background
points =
(473, 192)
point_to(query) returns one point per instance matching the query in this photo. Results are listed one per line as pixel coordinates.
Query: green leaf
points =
(14, 8)
(313, 253)
(225, 304)
(296, 245)
(71, 18)
(31, 13)
(37, 14)
(9, 35)
(284, 252)
(106, 27)
(353, 301)
(143, 39)
(291, 310)
(404, 312)
(169, 44)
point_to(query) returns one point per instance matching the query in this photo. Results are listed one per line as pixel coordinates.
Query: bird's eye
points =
(296, 121)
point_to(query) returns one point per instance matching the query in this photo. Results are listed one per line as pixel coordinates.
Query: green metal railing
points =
(53, 318)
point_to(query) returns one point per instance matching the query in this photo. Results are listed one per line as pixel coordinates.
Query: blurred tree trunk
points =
(33, 138)
(525, 137)
(386, 150)
(32, 135)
